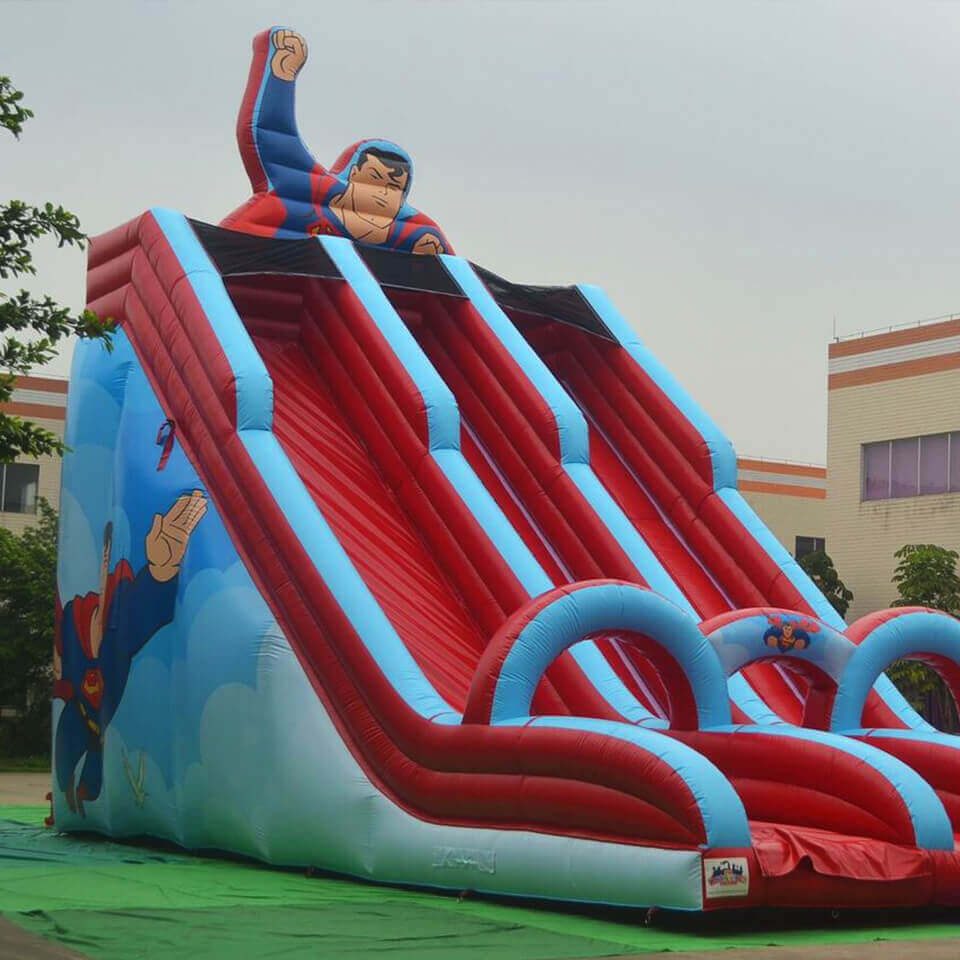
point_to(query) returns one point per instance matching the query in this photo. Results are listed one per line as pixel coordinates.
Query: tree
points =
(926, 576)
(31, 328)
(28, 583)
(820, 569)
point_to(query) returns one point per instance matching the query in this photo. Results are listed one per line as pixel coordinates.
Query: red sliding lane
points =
(509, 443)
(645, 453)
(391, 559)
(780, 690)
(640, 676)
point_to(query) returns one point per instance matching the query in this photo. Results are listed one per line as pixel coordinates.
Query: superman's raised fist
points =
(290, 54)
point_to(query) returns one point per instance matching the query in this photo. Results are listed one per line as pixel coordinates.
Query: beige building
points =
(790, 498)
(893, 452)
(43, 400)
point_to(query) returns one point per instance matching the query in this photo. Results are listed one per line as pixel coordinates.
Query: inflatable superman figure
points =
(363, 196)
(97, 637)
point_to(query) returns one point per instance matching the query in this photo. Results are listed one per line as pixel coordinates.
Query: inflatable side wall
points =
(211, 734)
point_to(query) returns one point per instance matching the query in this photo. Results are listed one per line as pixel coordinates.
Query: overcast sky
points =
(735, 174)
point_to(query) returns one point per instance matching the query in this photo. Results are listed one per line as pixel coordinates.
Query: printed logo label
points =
(464, 858)
(726, 877)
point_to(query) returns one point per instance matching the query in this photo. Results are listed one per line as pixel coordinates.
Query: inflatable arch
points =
(841, 668)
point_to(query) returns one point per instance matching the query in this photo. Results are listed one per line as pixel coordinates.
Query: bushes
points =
(28, 573)
(926, 576)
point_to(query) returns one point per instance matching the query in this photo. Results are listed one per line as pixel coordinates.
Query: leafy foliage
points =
(823, 573)
(12, 114)
(926, 576)
(30, 327)
(28, 573)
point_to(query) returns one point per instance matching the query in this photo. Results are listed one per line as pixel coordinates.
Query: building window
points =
(911, 467)
(934, 473)
(876, 471)
(805, 545)
(18, 487)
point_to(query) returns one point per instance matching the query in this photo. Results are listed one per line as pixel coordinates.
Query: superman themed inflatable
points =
(374, 561)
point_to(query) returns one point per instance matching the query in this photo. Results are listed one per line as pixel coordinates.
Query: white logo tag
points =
(726, 877)
(464, 858)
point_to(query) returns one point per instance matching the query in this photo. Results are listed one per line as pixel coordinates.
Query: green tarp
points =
(117, 901)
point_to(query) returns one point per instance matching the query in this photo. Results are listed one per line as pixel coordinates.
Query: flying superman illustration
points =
(362, 196)
(787, 635)
(99, 634)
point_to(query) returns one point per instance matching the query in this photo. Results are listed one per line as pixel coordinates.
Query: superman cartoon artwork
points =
(98, 635)
(363, 196)
(788, 635)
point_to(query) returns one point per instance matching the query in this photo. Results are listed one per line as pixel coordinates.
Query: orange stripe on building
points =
(34, 411)
(894, 338)
(894, 371)
(783, 489)
(41, 383)
(785, 469)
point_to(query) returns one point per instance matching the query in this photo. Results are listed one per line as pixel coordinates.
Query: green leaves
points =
(926, 576)
(33, 326)
(19, 437)
(12, 113)
(20, 224)
(820, 569)
(28, 573)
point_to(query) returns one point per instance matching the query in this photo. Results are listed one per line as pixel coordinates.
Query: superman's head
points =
(378, 175)
(380, 180)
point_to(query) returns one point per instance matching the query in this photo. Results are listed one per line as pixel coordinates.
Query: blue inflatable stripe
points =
(721, 809)
(722, 457)
(778, 553)
(948, 740)
(916, 632)
(749, 701)
(574, 441)
(613, 607)
(724, 462)
(816, 600)
(575, 456)
(254, 388)
(326, 552)
(627, 535)
(931, 825)
(574, 438)
(344, 582)
(494, 522)
(443, 425)
(443, 417)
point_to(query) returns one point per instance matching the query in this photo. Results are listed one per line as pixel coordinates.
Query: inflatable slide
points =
(376, 562)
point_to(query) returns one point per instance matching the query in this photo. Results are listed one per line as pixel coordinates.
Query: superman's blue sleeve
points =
(138, 609)
(269, 120)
